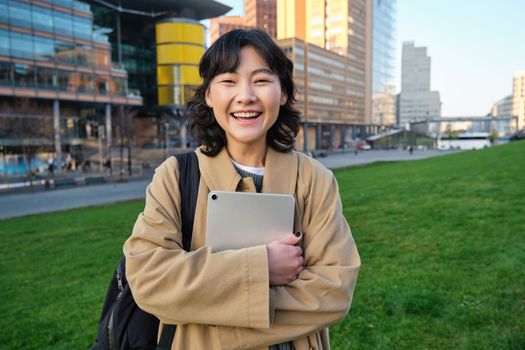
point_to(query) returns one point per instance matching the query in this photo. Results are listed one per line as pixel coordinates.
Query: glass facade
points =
(136, 50)
(53, 45)
(383, 61)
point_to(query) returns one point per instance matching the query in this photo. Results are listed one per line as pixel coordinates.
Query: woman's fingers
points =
(292, 239)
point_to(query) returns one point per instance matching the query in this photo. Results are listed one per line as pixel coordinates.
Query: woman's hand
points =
(285, 260)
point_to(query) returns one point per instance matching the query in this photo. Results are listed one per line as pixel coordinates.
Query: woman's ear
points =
(284, 98)
(208, 99)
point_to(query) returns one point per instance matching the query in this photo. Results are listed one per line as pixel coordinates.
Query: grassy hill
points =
(442, 243)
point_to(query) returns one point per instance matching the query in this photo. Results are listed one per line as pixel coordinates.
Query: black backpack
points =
(123, 325)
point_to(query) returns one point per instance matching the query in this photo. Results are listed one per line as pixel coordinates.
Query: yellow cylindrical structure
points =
(180, 46)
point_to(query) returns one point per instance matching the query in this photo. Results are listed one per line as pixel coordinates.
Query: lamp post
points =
(100, 132)
(167, 141)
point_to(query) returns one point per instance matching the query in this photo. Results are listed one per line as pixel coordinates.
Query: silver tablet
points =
(238, 220)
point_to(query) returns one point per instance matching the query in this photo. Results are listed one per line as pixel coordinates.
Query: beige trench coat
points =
(223, 300)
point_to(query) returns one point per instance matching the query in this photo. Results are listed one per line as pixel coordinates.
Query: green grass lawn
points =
(442, 242)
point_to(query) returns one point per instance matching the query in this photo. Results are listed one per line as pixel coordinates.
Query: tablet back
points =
(243, 219)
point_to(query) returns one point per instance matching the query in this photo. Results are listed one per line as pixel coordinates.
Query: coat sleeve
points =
(229, 288)
(322, 294)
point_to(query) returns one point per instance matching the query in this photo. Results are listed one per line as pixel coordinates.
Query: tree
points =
(494, 134)
(26, 123)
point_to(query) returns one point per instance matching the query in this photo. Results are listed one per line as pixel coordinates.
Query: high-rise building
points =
(324, 95)
(502, 108)
(291, 17)
(383, 62)
(518, 98)
(257, 14)
(416, 100)
(341, 26)
(81, 63)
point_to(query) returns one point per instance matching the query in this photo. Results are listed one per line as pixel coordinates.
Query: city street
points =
(20, 204)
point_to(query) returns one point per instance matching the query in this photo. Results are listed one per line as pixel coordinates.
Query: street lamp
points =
(100, 132)
(166, 142)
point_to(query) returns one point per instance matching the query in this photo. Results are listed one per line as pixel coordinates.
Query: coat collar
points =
(280, 172)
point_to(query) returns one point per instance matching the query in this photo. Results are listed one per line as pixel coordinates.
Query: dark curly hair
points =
(224, 57)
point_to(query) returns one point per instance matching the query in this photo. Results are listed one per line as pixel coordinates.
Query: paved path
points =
(341, 160)
(20, 204)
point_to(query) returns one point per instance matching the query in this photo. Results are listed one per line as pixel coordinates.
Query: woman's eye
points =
(228, 81)
(262, 81)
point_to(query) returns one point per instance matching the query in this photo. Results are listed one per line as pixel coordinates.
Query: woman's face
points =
(246, 102)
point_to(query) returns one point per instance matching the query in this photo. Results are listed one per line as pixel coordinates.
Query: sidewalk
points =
(21, 204)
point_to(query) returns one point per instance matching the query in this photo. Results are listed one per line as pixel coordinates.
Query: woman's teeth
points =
(248, 115)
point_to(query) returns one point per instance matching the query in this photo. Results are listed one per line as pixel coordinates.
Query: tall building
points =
(324, 97)
(502, 108)
(291, 19)
(416, 100)
(383, 62)
(518, 98)
(257, 14)
(81, 64)
(341, 26)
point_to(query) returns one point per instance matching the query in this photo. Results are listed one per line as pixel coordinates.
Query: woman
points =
(277, 296)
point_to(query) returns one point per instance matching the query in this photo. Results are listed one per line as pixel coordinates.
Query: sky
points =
(475, 47)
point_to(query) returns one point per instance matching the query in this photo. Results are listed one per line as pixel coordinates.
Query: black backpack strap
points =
(189, 177)
(166, 338)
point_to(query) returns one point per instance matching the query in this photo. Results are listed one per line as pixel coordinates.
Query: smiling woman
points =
(246, 104)
(282, 295)
(251, 65)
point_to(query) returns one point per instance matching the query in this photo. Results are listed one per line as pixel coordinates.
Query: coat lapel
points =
(218, 172)
(280, 172)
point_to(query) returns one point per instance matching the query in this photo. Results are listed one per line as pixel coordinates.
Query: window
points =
(83, 28)
(42, 19)
(63, 23)
(22, 45)
(101, 85)
(46, 78)
(120, 86)
(20, 14)
(4, 42)
(64, 3)
(83, 55)
(3, 11)
(24, 75)
(64, 52)
(44, 49)
(86, 83)
(6, 73)
(63, 78)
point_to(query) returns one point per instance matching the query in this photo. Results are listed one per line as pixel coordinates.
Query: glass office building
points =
(52, 48)
(383, 61)
(82, 63)
(53, 55)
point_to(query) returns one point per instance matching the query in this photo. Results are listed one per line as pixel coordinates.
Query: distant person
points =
(51, 165)
(68, 162)
(86, 166)
(107, 165)
(410, 150)
(283, 295)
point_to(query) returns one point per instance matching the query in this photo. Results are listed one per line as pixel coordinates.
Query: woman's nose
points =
(246, 94)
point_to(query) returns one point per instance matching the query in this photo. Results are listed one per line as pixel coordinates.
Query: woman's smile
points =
(246, 118)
